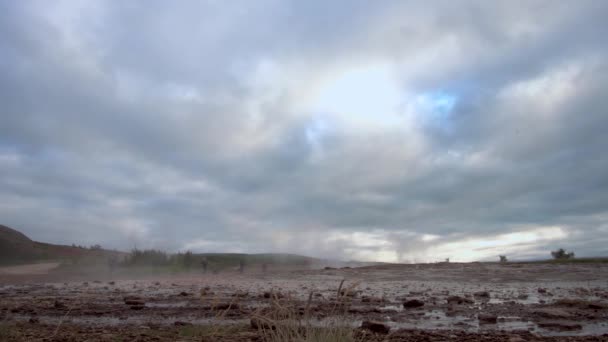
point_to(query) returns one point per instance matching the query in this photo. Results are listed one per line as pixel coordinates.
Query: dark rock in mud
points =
(271, 294)
(482, 294)
(560, 325)
(137, 307)
(369, 299)
(413, 303)
(579, 303)
(376, 327)
(181, 323)
(459, 300)
(487, 318)
(552, 313)
(59, 305)
(132, 300)
(184, 294)
(34, 320)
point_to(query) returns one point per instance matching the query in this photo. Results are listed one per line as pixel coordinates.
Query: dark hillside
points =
(16, 248)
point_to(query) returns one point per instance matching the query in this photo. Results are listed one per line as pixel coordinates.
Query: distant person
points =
(242, 265)
(264, 267)
(204, 265)
(112, 263)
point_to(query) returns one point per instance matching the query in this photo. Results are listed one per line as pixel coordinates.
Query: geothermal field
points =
(544, 301)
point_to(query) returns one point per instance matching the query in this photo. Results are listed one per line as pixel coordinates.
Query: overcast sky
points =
(370, 130)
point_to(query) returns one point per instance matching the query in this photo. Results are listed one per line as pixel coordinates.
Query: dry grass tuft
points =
(285, 321)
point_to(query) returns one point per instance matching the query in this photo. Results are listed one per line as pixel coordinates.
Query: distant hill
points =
(16, 247)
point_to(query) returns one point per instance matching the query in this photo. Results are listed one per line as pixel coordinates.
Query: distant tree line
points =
(153, 257)
(561, 254)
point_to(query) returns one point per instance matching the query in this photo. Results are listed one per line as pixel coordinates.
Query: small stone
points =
(181, 323)
(482, 294)
(459, 300)
(413, 303)
(560, 325)
(487, 318)
(375, 327)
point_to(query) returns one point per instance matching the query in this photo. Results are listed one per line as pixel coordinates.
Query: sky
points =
(398, 131)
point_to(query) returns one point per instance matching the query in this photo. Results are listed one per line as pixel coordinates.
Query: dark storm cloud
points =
(185, 125)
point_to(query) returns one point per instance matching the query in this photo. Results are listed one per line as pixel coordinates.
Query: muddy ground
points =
(432, 302)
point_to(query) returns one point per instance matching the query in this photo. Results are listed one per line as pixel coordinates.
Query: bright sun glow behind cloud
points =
(364, 96)
(369, 97)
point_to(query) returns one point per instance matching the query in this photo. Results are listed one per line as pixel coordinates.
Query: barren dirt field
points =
(432, 302)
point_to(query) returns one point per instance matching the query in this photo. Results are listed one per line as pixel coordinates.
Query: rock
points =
(542, 290)
(134, 302)
(552, 313)
(376, 327)
(413, 303)
(59, 305)
(459, 300)
(184, 294)
(579, 303)
(369, 299)
(482, 294)
(269, 294)
(34, 320)
(181, 323)
(137, 307)
(487, 318)
(560, 325)
(597, 306)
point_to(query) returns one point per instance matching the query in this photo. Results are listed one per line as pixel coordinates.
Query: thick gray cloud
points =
(349, 129)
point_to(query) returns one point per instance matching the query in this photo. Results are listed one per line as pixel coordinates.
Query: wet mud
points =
(460, 302)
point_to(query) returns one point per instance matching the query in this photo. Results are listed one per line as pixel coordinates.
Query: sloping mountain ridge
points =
(16, 247)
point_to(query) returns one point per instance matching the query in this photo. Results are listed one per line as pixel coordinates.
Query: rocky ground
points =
(443, 302)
